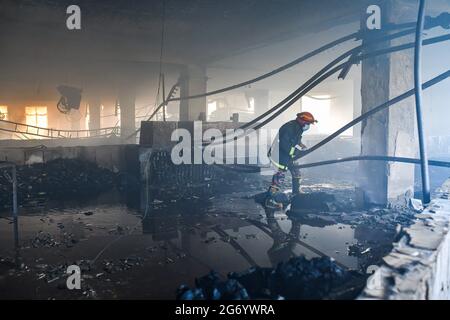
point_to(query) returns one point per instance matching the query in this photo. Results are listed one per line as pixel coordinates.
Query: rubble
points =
(416, 205)
(47, 240)
(196, 216)
(357, 250)
(298, 278)
(56, 179)
(210, 287)
(124, 264)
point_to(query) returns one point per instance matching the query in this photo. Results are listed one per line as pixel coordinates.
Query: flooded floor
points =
(128, 253)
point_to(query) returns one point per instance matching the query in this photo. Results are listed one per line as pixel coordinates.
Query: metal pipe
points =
(319, 77)
(426, 85)
(418, 95)
(15, 208)
(256, 169)
(164, 97)
(433, 163)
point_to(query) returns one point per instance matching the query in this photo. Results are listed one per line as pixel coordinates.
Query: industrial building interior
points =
(95, 94)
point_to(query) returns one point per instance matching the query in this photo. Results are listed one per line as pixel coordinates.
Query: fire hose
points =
(442, 20)
(364, 116)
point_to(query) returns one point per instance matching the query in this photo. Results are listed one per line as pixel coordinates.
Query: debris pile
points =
(56, 179)
(58, 273)
(210, 287)
(189, 182)
(298, 278)
(124, 264)
(47, 240)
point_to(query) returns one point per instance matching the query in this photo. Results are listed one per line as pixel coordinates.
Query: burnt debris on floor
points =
(135, 251)
(56, 179)
(298, 278)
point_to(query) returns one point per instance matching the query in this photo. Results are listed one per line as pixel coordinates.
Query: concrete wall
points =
(389, 132)
(418, 268)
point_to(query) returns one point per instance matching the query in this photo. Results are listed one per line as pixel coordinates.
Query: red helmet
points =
(306, 117)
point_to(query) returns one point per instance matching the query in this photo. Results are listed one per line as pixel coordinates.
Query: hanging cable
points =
(296, 95)
(161, 54)
(442, 20)
(418, 96)
(435, 163)
(426, 85)
(305, 85)
(242, 168)
(383, 106)
(371, 42)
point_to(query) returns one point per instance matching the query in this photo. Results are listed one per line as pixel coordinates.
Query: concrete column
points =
(391, 132)
(94, 113)
(261, 100)
(127, 99)
(75, 122)
(192, 82)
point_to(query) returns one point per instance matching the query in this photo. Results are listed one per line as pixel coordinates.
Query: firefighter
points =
(286, 148)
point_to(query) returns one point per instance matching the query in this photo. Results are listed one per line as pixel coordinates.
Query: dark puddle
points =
(128, 253)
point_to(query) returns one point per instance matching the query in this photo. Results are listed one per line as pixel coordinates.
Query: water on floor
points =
(125, 252)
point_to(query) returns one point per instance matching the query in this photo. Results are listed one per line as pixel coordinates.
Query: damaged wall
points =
(390, 132)
(418, 268)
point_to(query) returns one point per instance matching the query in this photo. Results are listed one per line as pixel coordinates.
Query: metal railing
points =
(50, 133)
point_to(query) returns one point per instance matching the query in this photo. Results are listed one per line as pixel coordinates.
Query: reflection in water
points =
(173, 244)
(283, 244)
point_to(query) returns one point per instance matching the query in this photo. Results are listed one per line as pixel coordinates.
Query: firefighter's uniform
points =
(285, 150)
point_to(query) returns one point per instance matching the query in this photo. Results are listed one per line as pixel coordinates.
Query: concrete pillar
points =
(127, 99)
(261, 98)
(192, 82)
(75, 122)
(390, 132)
(94, 113)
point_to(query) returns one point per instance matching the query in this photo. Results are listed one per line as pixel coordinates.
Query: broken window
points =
(212, 106)
(36, 116)
(320, 107)
(3, 113)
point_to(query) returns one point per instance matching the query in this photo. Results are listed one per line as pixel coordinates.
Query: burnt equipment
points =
(70, 98)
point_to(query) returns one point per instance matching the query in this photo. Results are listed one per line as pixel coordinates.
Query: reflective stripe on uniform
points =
(278, 165)
(292, 152)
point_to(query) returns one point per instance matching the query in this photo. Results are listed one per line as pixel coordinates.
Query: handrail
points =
(60, 133)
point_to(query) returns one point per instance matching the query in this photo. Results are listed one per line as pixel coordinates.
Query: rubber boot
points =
(295, 186)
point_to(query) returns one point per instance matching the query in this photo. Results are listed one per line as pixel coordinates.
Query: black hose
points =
(341, 66)
(356, 58)
(330, 73)
(321, 76)
(431, 22)
(288, 101)
(418, 95)
(383, 106)
(274, 72)
(435, 163)
(282, 68)
(349, 53)
(259, 78)
(255, 169)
